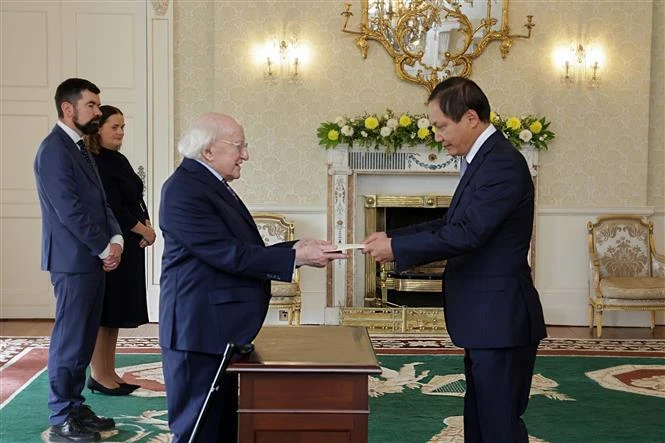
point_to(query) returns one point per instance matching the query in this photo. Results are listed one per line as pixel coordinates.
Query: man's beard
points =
(89, 128)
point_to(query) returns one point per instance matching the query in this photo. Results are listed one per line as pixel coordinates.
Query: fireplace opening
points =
(415, 287)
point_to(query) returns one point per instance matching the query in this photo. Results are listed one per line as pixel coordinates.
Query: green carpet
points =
(566, 405)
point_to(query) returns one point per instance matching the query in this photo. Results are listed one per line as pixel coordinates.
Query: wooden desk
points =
(306, 385)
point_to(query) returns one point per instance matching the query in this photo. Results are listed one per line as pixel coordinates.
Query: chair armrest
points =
(657, 260)
(658, 265)
(594, 272)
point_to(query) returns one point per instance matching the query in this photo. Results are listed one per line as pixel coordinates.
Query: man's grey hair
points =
(203, 132)
(194, 140)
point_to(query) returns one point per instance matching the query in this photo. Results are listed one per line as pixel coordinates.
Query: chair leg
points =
(591, 316)
(290, 316)
(297, 316)
(653, 321)
(599, 323)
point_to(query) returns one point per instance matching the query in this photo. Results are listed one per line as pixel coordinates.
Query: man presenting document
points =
(216, 275)
(491, 306)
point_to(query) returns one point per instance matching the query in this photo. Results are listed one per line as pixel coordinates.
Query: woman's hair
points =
(93, 142)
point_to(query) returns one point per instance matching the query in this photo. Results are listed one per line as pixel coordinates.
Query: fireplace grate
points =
(378, 161)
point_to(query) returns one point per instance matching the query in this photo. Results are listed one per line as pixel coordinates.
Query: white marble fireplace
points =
(356, 173)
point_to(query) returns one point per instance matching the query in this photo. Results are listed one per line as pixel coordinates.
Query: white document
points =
(347, 246)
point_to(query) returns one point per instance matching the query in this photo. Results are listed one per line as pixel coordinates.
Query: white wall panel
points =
(30, 48)
(24, 43)
(25, 291)
(20, 137)
(104, 44)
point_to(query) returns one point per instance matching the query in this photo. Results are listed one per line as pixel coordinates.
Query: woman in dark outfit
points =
(125, 304)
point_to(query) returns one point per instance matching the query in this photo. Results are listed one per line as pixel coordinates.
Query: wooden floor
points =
(43, 327)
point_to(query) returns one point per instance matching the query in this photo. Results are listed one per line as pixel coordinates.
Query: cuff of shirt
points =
(107, 250)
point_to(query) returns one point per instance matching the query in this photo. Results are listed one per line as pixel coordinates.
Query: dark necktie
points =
(230, 190)
(462, 167)
(86, 155)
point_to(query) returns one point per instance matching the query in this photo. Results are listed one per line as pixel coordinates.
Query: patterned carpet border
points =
(398, 344)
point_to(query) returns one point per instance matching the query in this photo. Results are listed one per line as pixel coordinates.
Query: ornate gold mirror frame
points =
(430, 40)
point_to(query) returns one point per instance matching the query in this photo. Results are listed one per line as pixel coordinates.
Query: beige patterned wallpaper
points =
(610, 145)
(656, 169)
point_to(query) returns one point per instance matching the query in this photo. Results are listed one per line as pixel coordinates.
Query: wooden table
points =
(306, 384)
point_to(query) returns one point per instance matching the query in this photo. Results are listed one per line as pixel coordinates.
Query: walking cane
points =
(231, 350)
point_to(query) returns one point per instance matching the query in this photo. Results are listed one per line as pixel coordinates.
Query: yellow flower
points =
(423, 133)
(493, 117)
(371, 122)
(536, 127)
(333, 135)
(404, 120)
(513, 123)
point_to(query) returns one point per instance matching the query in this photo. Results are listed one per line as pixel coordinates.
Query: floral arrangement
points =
(393, 131)
(523, 130)
(389, 130)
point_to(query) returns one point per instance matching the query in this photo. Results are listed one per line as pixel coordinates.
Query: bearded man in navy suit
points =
(216, 272)
(81, 240)
(491, 306)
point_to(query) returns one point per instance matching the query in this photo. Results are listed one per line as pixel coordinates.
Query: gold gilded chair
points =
(275, 228)
(625, 271)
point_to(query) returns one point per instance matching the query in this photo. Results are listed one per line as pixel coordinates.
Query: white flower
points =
(363, 133)
(392, 123)
(423, 123)
(525, 135)
(386, 131)
(340, 121)
(347, 130)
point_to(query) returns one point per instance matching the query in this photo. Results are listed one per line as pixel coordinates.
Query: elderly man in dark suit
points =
(216, 274)
(80, 240)
(491, 306)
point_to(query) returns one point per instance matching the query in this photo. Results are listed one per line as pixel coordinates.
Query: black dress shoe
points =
(95, 386)
(130, 386)
(72, 430)
(91, 421)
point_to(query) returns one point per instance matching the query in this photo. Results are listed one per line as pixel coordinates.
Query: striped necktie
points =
(83, 149)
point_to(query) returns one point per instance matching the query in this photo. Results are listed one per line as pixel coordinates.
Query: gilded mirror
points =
(430, 40)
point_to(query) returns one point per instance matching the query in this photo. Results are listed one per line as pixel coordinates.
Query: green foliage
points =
(389, 131)
(523, 130)
(393, 132)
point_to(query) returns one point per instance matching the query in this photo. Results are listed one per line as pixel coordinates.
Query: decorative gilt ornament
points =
(430, 40)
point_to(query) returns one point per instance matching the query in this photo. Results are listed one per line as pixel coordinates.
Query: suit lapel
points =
(471, 170)
(73, 150)
(213, 182)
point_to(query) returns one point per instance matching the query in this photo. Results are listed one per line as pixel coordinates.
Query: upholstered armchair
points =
(275, 228)
(625, 272)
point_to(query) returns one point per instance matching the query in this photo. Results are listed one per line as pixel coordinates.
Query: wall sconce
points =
(282, 59)
(579, 64)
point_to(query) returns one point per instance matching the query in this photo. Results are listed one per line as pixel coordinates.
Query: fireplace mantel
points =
(353, 173)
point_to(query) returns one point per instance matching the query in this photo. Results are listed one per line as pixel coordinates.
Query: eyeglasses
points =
(239, 145)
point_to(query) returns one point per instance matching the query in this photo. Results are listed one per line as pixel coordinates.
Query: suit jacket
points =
(77, 222)
(489, 297)
(216, 270)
